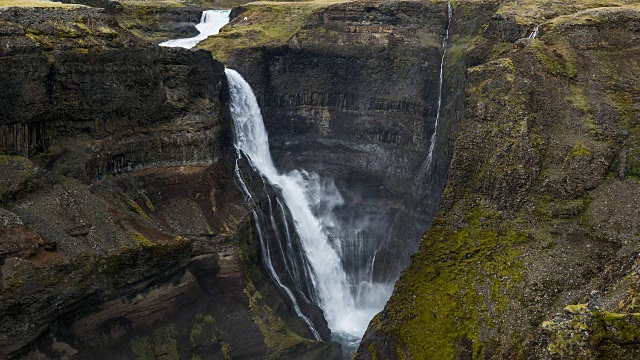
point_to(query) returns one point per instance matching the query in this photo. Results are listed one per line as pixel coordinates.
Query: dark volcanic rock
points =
(119, 216)
(353, 96)
(530, 256)
(79, 72)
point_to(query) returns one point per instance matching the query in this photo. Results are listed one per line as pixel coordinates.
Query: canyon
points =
(126, 233)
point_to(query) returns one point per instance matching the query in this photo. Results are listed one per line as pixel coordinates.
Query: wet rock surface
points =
(352, 95)
(119, 228)
(530, 221)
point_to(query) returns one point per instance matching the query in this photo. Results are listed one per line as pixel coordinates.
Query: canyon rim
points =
(319, 179)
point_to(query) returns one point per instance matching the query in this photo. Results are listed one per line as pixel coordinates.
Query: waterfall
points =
(534, 34)
(210, 24)
(426, 166)
(348, 301)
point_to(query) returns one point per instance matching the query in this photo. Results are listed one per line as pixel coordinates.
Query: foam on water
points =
(210, 24)
(348, 307)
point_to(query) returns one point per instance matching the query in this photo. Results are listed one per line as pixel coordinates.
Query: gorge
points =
(480, 155)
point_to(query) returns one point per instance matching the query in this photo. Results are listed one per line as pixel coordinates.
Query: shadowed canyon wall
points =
(352, 95)
(534, 252)
(123, 234)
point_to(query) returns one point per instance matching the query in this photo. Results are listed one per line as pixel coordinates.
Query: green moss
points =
(107, 31)
(35, 3)
(196, 334)
(277, 336)
(140, 238)
(126, 202)
(579, 100)
(226, 350)
(584, 333)
(579, 149)
(372, 352)
(500, 49)
(530, 12)
(576, 309)
(441, 301)
(623, 102)
(11, 159)
(145, 19)
(137, 208)
(161, 345)
(264, 27)
(562, 63)
(498, 64)
(204, 332)
(548, 207)
(148, 203)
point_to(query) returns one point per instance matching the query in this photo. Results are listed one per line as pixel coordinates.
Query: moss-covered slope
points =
(539, 210)
(119, 219)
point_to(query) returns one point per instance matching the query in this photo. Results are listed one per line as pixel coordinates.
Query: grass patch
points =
(560, 61)
(270, 24)
(36, 4)
(532, 12)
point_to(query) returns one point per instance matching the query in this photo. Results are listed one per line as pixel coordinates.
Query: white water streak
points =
(267, 258)
(424, 170)
(302, 193)
(210, 24)
(535, 32)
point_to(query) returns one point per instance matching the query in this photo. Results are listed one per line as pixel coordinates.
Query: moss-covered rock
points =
(540, 168)
(589, 333)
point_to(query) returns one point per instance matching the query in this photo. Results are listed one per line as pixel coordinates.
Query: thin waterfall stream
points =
(426, 166)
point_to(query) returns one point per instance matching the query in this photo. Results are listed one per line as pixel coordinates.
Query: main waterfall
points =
(311, 256)
(348, 307)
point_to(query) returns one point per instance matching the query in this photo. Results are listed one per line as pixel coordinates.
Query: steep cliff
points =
(534, 251)
(122, 234)
(350, 90)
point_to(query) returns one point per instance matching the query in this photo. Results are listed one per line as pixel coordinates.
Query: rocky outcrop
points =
(350, 91)
(78, 72)
(158, 21)
(532, 215)
(122, 234)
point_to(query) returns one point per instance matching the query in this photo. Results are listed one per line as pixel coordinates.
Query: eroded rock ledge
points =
(534, 252)
(122, 234)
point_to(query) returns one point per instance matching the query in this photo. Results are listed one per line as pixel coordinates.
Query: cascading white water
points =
(534, 34)
(424, 169)
(310, 202)
(210, 24)
(336, 271)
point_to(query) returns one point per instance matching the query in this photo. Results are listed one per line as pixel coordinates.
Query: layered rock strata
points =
(122, 234)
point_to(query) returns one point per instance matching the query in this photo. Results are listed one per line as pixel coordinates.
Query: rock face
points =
(122, 234)
(158, 21)
(350, 91)
(533, 253)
